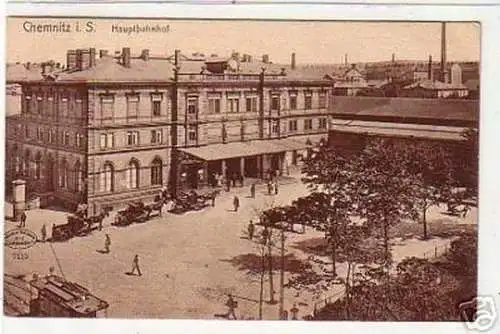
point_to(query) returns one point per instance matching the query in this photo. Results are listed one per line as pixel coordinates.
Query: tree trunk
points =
(386, 246)
(333, 244)
(270, 262)
(282, 276)
(262, 273)
(347, 292)
(424, 221)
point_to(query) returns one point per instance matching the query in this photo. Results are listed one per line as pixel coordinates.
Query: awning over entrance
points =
(243, 149)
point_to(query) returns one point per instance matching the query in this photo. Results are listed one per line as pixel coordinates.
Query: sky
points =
(313, 42)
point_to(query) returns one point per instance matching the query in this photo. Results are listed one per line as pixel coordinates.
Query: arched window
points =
(78, 177)
(133, 174)
(107, 178)
(64, 174)
(156, 172)
(38, 166)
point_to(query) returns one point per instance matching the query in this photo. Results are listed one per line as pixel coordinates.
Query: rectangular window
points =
(106, 140)
(275, 102)
(251, 104)
(322, 123)
(233, 103)
(322, 100)
(39, 134)
(39, 105)
(79, 140)
(79, 108)
(50, 106)
(293, 100)
(132, 106)
(308, 100)
(64, 107)
(66, 138)
(28, 104)
(214, 103)
(292, 125)
(107, 106)
(275, 127)
(192, 133)
(132, 138)
(308, 124)
(156, 136)
(52, 136)
(156, 100)
(27, 131)
(192, 105)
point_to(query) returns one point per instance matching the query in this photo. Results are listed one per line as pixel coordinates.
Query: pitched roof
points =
(19, 73)
(108, 69)
(424, 109)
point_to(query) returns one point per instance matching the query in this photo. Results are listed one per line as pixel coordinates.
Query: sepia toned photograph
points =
(242, 170)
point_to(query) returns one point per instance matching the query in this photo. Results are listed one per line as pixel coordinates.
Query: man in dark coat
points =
(252, 190)
(231, 305)
(23, 219)
(236, 203)
(135, 265)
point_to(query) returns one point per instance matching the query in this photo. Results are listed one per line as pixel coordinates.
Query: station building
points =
(109, 129)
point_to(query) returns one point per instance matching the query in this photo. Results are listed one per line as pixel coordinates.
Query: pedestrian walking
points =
(228, 184)
(236, 203)
(135, 265)
(252, 190)
(44, 233)
(101, 218)
(213, 198)
(107, 243)
(251, 230)
(231, 305)
(276, 187)
(269, 187)
(265, 235)
(23, 219)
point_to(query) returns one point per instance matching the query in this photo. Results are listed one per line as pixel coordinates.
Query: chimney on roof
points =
(293, 65)
(265, 59)
(283, 71)
(92, 57)
(28, 65)
(145, 54)
(71, 62)
(429, 68)
(126, 57)
(103, 53)
(44, 68)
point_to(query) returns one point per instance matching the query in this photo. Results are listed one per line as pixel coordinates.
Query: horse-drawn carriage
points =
(77, 225)
(135, 212)
(192, 201)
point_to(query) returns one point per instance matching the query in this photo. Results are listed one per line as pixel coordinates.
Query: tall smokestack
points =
(293, 65)
(345, 59)
(443, 53)
(177, 56)
(429, 68)
(393, 57)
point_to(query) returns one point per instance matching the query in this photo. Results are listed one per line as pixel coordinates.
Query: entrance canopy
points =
(244, 149)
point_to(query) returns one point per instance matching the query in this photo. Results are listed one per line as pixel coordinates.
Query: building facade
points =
(109, 130)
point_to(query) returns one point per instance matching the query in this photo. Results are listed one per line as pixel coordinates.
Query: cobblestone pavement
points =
(184, 259)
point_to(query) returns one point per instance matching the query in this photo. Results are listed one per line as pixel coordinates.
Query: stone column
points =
(224, 169)
(19, 192)
(242, 167)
